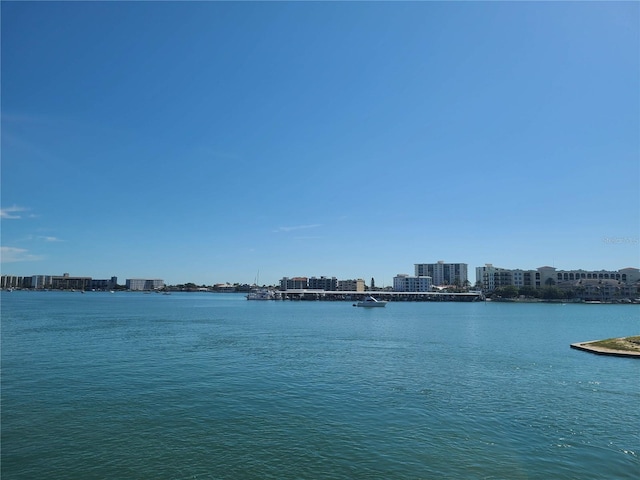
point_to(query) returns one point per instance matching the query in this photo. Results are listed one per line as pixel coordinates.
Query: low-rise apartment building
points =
(351, 285)
(407, 283)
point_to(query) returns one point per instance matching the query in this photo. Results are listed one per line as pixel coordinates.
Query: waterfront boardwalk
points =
(306, 294)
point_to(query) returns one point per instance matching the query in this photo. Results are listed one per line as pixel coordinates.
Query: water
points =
(211, 386)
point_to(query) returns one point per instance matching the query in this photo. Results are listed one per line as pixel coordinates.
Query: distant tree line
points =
(550, 292)
(546, 293)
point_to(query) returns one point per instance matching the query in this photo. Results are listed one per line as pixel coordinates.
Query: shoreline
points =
(322, 295)
(628, 348)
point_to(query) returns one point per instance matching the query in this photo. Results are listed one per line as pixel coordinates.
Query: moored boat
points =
(371, 302)
(261, 294)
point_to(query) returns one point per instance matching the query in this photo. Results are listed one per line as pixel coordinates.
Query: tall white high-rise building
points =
(443, 273)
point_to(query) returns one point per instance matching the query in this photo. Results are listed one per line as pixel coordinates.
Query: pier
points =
(327, 295)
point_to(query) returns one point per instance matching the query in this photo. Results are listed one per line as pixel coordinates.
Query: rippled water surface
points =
(211, 386)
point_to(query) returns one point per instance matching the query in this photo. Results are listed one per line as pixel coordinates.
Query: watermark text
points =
(621, 240)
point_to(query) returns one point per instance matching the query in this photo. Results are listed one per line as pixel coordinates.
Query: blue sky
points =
(207, 141)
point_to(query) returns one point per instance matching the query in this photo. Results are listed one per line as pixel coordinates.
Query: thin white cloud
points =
(11, 213)
(51, 239)
(41, 238)
(13, 254)
(297, 227)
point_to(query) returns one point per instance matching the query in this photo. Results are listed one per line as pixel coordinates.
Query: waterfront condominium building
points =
(328, 284)
(493, 277)
(57, 282)
(41, 281)
(490, 277)
(295, 283)
(407, 283)
(13, 281)
(443, 273)
(323, 283)
(67, 282)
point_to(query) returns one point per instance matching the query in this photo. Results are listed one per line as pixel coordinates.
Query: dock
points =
(328, 295)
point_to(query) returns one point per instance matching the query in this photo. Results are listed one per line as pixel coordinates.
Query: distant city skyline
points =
(209, 142)
(315, 280)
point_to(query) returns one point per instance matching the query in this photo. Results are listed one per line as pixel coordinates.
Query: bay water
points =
(212, 386)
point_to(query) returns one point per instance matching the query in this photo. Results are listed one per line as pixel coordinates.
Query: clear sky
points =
(207, 141)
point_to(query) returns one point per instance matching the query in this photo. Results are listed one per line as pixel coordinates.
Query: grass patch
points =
(626, 344)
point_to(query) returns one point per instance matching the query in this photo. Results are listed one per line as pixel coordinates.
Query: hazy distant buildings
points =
(351, 285)
(41, 281)
(144, 284)
(328, 284)
(67, 282)
(443, 273)
(12, 281)
(105, 284)
(57, 282)
(407, 283)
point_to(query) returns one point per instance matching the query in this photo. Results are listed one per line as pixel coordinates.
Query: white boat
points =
(261, 294)
(371, 302)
